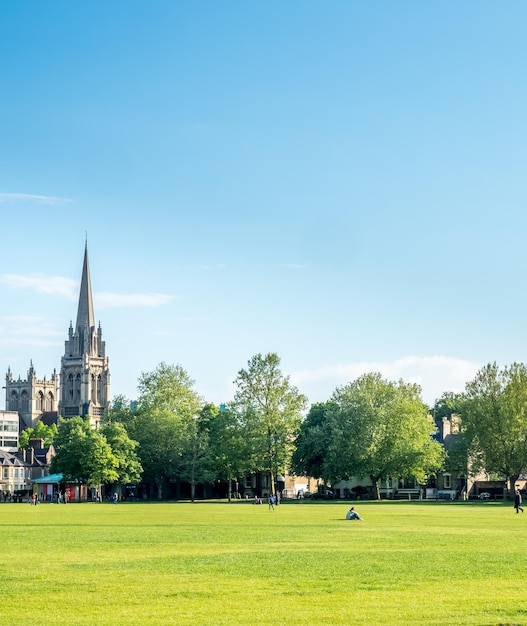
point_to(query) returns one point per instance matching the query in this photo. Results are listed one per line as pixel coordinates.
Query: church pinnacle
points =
(84, 375)
(85, 315)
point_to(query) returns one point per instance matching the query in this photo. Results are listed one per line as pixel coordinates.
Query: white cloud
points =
(28, 197)
(29, 330)
(106, 300)
(435, 375)
(69, 289)
(47, 285)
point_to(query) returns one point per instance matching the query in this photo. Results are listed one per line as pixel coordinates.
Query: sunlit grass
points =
(219, 563)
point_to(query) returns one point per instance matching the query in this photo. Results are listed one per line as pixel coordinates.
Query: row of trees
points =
(370, 427)
(169, 433)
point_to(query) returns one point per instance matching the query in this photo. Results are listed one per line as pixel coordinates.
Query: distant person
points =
(352, 514)
(115, 498)
(518, 501)
(270, 500)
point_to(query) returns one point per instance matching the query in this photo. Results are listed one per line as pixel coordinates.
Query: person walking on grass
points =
(518, 501)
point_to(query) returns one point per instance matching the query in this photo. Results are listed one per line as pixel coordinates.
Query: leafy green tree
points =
(167, 407)
(448, 404)
(228, 447)
(196, 461)
(40, 431)
(494, 421)
(82, 454)
(312, 443)
(124, 449)
(270, 410)
(122, 411)
(381, 429)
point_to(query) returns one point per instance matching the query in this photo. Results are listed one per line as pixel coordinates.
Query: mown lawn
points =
(219, 563)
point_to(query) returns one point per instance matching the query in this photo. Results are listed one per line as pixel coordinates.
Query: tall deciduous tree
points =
(196, 461)
(270, 409)
(494, 420)
(381, 429)
(228, 447)
(312, 443)
(166, 410)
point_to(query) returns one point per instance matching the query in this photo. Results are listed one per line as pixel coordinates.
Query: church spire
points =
(85, 311)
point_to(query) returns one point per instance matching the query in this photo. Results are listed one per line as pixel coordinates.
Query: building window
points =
(25, 401)
(13, 403)
(447, 479)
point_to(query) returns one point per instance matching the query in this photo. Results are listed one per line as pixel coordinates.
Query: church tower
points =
(84, 372)
(33, 398)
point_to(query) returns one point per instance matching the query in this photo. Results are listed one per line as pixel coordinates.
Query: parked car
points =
(484, 495)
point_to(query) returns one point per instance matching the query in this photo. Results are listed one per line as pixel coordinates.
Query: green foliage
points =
(40, 431)
(196, 462)
(164, 423)
(128, 466)
(494, 420)
(270, 411)
(381, 429)
(83, 454)
(228, 446)
(168, 387)
(312, 443)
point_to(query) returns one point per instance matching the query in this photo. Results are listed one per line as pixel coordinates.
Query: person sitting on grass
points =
(352, 514)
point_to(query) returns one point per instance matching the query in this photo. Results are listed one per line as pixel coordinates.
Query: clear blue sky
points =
(342, 183)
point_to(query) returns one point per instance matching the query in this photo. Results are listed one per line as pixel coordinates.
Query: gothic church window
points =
(13, 403)
(24, 401)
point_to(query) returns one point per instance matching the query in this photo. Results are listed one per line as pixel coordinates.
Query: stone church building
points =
(83, 387)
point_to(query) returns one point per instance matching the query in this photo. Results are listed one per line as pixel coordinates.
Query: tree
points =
(312, 443)
(196, 461)
(82, 454)
(381, 429)
(166, 409)
(228, 447)
(494, 421)
(124, 449)
(40, 431)
(270, 409)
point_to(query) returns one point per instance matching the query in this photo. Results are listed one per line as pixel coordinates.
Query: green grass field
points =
(219, 563)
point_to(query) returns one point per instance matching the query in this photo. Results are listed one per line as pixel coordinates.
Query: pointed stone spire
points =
(85, 315)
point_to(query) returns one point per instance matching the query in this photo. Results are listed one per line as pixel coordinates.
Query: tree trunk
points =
(229, 489)
(511, 486)
(159, 486)
(376, 487)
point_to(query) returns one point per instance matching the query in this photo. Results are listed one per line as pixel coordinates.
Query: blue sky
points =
(341, 183)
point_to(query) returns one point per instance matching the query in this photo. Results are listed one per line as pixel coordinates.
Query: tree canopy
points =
(164, 421)
(82, 454)
(270, 411)
(380, 429)
(494, 420)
